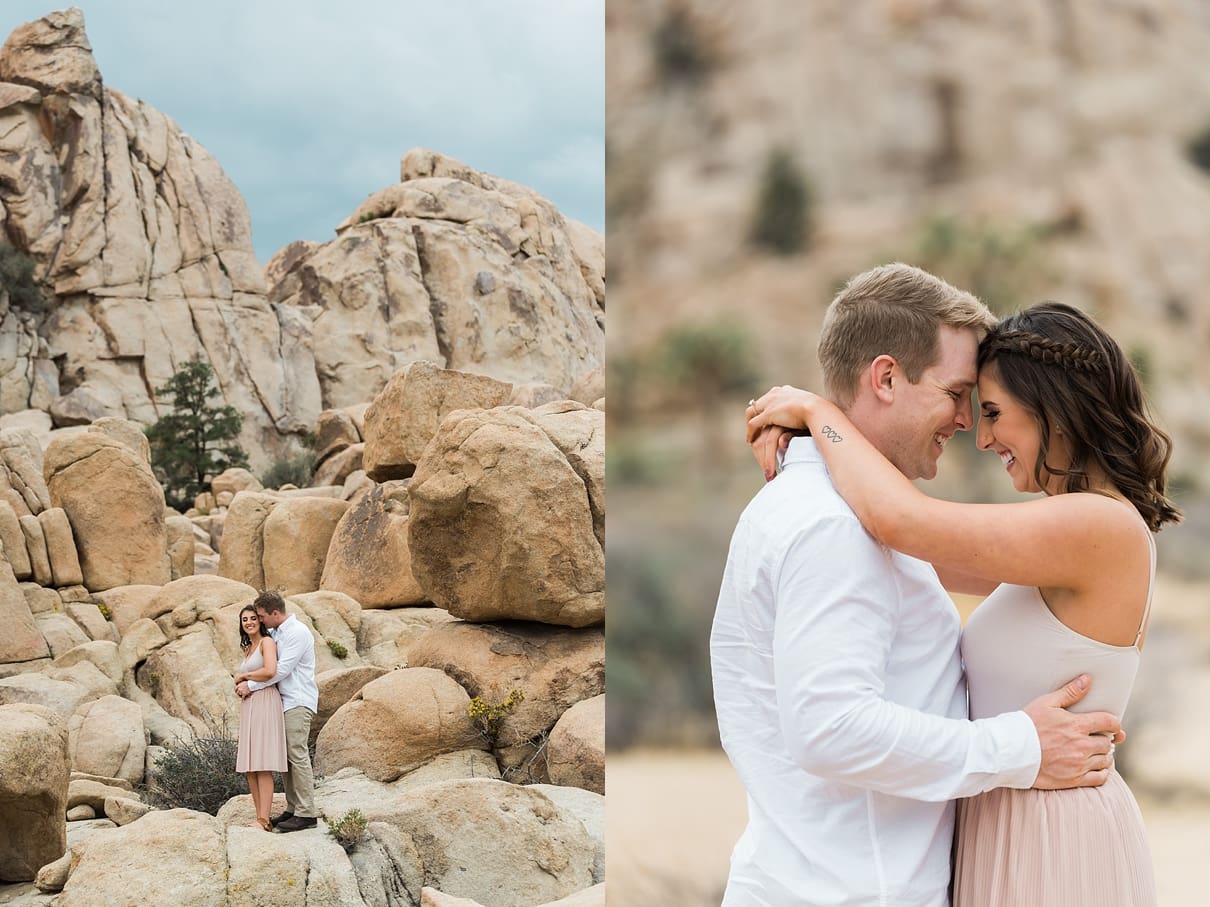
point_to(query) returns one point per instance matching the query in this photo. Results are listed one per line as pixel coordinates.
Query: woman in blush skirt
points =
(262, 727)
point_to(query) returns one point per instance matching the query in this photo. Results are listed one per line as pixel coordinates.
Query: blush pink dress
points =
(1084, 847)
(262, 727)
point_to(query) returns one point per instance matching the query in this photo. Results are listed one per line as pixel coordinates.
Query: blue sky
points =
(309, 104)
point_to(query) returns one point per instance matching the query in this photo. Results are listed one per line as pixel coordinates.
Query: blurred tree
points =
(783, 209)
(710, 360)
(659, 660)
(704, 364)
(1004, 266)
(687, 44)
(1198, 149)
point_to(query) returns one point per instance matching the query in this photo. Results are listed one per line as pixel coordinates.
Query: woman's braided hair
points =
(1074, 378)
(1049, 352)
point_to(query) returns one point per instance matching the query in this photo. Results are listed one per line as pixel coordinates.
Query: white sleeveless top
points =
(1016, 650)
(254, 662)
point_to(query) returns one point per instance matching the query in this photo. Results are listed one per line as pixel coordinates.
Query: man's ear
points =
(881, 376)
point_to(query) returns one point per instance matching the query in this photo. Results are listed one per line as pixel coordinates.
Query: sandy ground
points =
(673, 818)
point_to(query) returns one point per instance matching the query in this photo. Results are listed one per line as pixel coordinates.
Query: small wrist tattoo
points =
(828, 432)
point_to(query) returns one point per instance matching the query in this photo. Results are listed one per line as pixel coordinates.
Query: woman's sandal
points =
(264, 823)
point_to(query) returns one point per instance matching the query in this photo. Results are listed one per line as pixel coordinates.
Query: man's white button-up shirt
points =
(295, 677)
(842, 705)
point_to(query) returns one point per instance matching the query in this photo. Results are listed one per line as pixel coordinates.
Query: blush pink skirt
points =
(262, 733)
(1084, 847)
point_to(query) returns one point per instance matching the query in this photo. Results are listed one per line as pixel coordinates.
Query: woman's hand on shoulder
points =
(785, 407)
(768, 442)
(775, 418)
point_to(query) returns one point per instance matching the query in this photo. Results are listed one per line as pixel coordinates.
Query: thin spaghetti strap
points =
(1150, 591)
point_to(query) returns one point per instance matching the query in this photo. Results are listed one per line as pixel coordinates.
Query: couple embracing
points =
(838, 658)
(276, 683)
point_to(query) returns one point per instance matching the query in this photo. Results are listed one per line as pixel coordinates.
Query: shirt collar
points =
(802, 449)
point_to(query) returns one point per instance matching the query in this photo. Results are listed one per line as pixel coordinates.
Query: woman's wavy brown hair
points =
(245, 641)
(1074, 378)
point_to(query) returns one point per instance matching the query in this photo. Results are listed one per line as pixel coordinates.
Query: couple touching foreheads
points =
(838, 656)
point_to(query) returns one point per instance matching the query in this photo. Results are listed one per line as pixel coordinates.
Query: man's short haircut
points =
(894, 310)
(270, 600)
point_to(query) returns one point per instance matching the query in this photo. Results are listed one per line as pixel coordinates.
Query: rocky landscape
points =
(443, 355)
(145, 247)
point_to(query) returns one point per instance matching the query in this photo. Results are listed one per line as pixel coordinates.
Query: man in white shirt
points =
(837, 677)
(295, 679)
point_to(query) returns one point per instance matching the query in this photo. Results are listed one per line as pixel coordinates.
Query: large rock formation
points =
(172, 857)
(33, 790)
(369, 558)
(21, 640)
(455, 266)
(107, 737)
(397, 723)
(553, 667)
(406, 414)
(296, 536)
(507, 515)
(576, 751)
(115, 507)
(147, 246)
(497, 843)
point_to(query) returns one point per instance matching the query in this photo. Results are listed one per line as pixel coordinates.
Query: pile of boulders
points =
(461, 561)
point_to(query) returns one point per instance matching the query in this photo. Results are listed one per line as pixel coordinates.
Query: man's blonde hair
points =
(895, 310)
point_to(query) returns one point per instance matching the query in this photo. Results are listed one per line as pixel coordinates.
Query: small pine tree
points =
(783, 209)
(194, 442)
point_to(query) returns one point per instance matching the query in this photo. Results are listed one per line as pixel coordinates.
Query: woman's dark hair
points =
(1075, 379)
(245, 641)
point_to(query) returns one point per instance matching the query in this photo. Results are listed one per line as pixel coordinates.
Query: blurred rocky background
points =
(761, 153)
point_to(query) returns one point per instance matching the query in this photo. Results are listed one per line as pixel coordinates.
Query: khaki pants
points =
(299, 781)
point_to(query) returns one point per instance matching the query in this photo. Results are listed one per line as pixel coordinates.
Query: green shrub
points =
(198, 773)
(487, 716)
(337, 649)
(783, 209)
(295, 468)
(17, 277)
(348, 829)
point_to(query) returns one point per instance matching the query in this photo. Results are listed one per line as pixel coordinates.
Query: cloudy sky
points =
(309, 104)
